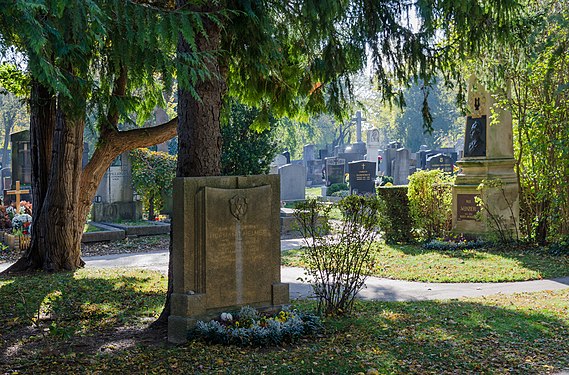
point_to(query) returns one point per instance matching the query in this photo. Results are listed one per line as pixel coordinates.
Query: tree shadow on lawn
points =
(456, 336)
(538, 260)
(66, 313)
(503, 334)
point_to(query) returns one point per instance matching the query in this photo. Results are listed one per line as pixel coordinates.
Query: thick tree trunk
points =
(62, 192)
(42, 126)
(199, 132)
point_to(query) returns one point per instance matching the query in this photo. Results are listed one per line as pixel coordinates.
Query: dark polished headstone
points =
(362, 177)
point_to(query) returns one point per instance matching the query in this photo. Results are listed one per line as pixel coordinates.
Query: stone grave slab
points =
(335, 170)
(293, 182)
(226, 248)
(440, 161)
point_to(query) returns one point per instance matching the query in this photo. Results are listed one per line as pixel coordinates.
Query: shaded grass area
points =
(411, 262)
(101, 318)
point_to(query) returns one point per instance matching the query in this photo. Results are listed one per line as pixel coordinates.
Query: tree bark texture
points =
(62, 191)
(199, 131)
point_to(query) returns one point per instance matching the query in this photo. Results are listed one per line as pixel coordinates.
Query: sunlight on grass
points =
(411, 262)
(313, 192)
(520, 333)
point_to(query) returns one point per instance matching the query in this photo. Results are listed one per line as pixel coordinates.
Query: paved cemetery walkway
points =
(377, 288)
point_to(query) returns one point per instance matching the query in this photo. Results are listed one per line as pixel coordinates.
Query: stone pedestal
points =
(488, 155)
(226, 248)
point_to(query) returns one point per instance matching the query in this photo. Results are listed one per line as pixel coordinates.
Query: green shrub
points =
(341, 193)
(503, 229)
(385, 180)
(337, 254)
(153, 174)
(335, 188)
(560, 248)
(394, 220)
(430, 203)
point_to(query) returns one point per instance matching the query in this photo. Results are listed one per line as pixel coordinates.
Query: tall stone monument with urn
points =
(488, 155)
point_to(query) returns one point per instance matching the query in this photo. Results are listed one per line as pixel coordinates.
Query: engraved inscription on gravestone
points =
(237, 228)
(439, 161)
(362, 177)
(467, 208)
(335, 169)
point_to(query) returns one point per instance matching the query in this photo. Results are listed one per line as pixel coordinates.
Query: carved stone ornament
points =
(238, 206)
(477, 102)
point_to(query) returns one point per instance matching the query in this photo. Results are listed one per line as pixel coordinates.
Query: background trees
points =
(246, 151)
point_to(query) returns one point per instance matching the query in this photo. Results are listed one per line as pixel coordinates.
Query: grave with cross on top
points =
(18, 192)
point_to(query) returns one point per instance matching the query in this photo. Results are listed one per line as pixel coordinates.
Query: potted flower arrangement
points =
(21, 226)
(5, 222)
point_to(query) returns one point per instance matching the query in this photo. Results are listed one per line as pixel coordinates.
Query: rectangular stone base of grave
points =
(226, 248)
(502, 202)
(150, 228)
(108, 212)
(106, 233)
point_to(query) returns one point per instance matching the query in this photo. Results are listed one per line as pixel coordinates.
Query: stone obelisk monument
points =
(488, 156)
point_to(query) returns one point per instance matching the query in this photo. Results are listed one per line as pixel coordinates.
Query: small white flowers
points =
(226, 317)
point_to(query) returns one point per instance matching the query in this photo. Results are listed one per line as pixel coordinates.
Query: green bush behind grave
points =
(335, 188)
(430, 203)
(395, 219)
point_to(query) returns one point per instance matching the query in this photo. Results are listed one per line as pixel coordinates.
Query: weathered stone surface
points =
(226, 247)
(496, 161)
(106, 212)
(115, 195)
(107, 233)
(293, 182)
(335, 170)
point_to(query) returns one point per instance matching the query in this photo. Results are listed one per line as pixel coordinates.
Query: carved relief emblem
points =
(477, 103)
(238, 206)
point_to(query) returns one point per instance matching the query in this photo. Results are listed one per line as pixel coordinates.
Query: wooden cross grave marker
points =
(17, 193)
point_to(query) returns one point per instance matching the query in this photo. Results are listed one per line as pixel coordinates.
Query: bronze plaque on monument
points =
(475, 140)
(466, 207)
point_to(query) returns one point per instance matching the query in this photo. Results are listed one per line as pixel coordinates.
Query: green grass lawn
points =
(313, 192)
(94, 321)
(481, 265)
(88, 228)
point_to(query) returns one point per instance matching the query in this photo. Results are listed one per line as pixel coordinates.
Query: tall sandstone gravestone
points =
(488, 154)
(226, 248)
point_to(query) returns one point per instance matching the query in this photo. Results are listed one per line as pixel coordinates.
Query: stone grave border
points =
(151, 229)
(108, 233)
